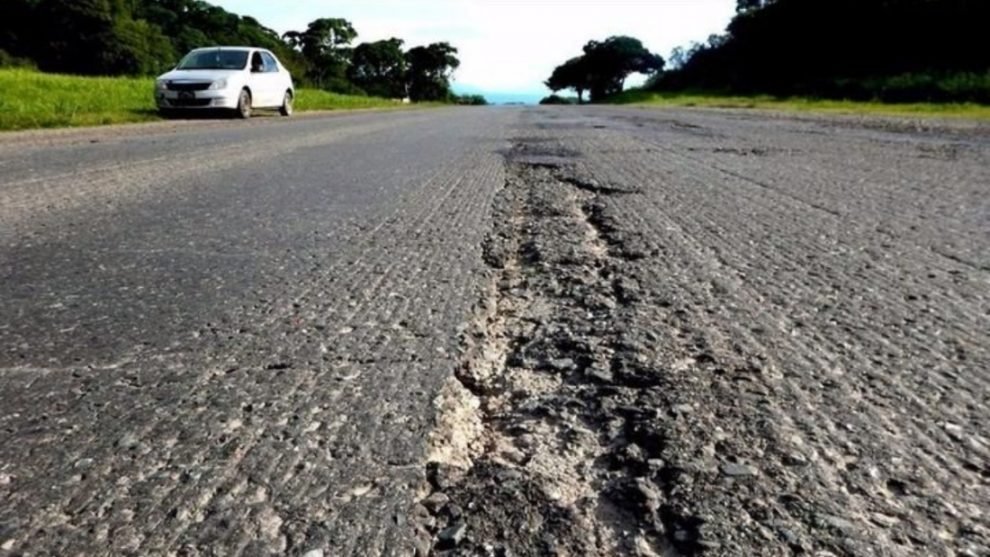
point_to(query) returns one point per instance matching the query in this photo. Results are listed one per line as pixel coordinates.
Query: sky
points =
(507, 47)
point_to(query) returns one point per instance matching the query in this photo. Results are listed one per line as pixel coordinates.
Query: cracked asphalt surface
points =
(502, 331)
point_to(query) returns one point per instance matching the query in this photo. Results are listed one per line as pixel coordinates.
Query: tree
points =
(430, 69)
(557, 99)
(138, 48)
(604, 67)
(379, 68)
(743, 6)
(572, 74)
(898, 50)
(471, 100)
(327, 38)
(325, 45)
(82, 49)
(17, 36)
(611, 61)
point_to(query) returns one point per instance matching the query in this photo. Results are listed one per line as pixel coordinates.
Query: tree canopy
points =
(380, 68)
(325, 46)
(604, 67)
(572, 74)
(430, 69)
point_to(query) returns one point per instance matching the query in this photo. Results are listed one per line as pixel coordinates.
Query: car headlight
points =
(218, 85)
(161, 85)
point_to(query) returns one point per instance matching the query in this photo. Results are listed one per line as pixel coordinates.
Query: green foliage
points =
(572, 74)
(610, 62)
(557, 99)
(42, 100)
(604, 67)
(139, 48)
(471, 100)
(913, 87)
(131, 37)
(325, 46)
(430, 68)
(890, 50)
(701, 99)
(9, 61)
(380, 68)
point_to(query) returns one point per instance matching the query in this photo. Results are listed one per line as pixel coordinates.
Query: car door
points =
(259, 81)
(274, 76)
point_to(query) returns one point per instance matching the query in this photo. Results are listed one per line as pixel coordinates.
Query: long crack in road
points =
(550, 331)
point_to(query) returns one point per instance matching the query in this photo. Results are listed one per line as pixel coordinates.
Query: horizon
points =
(490, 66)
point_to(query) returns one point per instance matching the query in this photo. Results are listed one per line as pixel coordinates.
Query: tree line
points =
(147, 37)
(890, 50)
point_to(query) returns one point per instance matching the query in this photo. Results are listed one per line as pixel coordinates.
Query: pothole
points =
(521, 463)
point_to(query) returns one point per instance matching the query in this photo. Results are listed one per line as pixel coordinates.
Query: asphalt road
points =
(497, 331)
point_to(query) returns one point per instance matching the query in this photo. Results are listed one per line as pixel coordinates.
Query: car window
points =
(257, 63)
(214, 60)
(270, 64)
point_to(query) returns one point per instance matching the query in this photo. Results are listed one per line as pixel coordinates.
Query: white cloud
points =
(506, 45)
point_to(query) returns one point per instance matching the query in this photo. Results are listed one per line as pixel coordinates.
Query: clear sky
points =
(506, 46)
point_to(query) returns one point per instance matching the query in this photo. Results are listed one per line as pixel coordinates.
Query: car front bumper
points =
(196, 99)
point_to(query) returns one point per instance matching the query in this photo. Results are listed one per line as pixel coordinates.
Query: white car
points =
(236, 78)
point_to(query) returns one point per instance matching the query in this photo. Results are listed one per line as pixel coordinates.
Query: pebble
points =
(314, 553)
(453, 536)
(128, 441)
(836, 522)
(443, 476)
(739, 470)
(436, 501)
(656, 464)
(634, 453)
(789, 537)
(600, 374)
(562, 364)
(650, 497)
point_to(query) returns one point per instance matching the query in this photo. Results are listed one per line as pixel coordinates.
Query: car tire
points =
(244, 105)
(287, 107)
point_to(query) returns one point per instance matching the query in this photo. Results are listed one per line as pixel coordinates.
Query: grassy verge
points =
(952, 110)
(316, 99)
(30, 99)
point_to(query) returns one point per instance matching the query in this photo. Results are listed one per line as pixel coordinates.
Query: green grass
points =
(30, 99)
(316, 99)
(637, 97)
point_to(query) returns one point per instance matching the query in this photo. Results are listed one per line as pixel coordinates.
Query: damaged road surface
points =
(554, 331)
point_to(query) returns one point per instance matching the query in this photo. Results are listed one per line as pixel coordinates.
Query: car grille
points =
(190, 102)
(173, 86)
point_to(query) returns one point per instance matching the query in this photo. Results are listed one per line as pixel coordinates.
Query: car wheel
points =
(287, 107)
(244, 104)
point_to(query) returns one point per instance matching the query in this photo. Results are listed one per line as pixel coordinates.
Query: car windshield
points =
(217, 59)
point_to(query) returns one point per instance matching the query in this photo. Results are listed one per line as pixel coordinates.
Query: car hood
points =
(199, 75)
